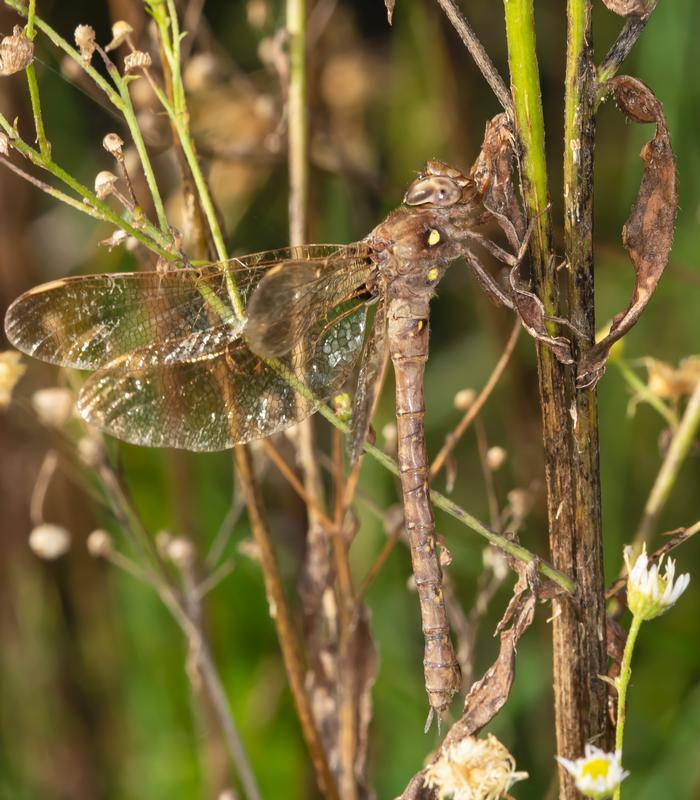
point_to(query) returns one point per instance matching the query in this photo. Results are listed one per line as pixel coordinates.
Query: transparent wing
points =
(228, 396)
(87, 321)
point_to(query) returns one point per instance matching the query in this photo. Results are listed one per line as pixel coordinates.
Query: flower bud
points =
(495, 458)
(100, 544)
(464, 399)
(49, 541)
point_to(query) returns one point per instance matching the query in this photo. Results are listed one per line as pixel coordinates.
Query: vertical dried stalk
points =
(571, 446)
(590, 718)
(287, 635)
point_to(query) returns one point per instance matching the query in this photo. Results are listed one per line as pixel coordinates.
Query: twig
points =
(620, 49)
(286, 633)
(477, 52)
(41, 487)
(478, 403)
(680, 444)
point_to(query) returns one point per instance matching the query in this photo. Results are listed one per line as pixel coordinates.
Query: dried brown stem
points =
(478, 404)
(477, 52)
(286, 633)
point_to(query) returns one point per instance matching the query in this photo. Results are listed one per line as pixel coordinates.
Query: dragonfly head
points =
(440, 186)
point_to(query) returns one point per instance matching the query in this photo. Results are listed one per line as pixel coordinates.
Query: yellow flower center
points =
(596, 768)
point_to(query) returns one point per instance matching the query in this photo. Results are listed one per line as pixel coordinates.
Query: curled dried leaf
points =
(648, 232)
(631, 8)
(16, 52)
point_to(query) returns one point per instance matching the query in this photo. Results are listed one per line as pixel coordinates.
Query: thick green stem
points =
(622, 683)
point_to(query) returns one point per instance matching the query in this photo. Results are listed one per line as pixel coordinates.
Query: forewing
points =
(87, 321)
(228, 396)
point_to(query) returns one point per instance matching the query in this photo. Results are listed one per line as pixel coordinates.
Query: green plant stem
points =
(155, 241)
(33, 85)
(120, 99)
(177, 111)
(622, 684)
(682, 440)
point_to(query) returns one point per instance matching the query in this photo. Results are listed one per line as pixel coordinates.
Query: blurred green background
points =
(94, 698)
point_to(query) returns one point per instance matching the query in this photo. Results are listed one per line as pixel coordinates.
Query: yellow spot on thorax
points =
(596, 768)
(433, 274)
(433, 237)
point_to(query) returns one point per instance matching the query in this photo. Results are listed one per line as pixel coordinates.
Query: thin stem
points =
(678, 449)
(622, 684)
(286, 632)
(478, 53)
(478, 404)
(618, 52)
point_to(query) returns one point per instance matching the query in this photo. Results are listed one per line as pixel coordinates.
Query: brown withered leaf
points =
(390, 9)
(631, 8)
(493, 174)
(648, 232)
(488, 695)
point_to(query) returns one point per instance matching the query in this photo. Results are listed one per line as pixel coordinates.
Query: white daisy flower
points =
(473, 769)
(597, 774)
(650, 594)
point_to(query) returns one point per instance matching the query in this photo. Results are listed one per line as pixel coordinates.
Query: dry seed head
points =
(390, 436)
(11, 370)
(85, 39)
(49, 541)
(121, 31)
(464, 399)
(473, 769)
(136, 60)
(495, 458)
(521, 502)
(118, 237)
(181, 552)
(113, 144)
(91, 451)
(16, 52)
(104, 183)
(100, 544)
(53, 406)
(4, 144)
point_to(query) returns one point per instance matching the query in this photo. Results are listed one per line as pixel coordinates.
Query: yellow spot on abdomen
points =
(433, 274)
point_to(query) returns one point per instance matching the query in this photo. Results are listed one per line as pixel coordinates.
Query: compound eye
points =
(436, 190)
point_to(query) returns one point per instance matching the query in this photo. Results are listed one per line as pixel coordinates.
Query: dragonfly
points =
(175, 364)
